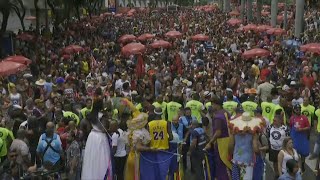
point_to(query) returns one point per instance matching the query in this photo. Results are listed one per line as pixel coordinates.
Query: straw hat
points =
(246, 124)
(40, 82)
(138, 122)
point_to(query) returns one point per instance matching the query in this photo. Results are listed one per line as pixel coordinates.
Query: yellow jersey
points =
(159, 134)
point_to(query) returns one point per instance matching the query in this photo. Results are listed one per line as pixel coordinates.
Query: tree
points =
(259, 9)
(91, 6)
(36, 7)
(226, 5)
(5, 7)
(16, 6)
(60, 11)
(249, 11)
(298, 25)
(274, 12)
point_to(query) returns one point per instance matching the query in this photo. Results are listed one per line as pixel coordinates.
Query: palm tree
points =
(5, 8)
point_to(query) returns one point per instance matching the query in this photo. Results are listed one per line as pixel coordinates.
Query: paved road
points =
(308, 175)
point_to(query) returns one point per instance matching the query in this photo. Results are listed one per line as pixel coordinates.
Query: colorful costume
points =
(223, 164)
(136, 133)
(244, 128)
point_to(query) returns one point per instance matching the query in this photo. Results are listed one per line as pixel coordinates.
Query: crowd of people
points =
(88, 114)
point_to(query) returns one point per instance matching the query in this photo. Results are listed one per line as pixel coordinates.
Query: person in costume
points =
(243, 144)
(138, 138)
(97, 155)
(220, 140)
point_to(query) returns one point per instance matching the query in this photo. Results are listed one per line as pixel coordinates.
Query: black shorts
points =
(273, 155)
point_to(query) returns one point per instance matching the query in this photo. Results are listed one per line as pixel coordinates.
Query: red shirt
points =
(264, 73)
(300, 121)
(308, 81)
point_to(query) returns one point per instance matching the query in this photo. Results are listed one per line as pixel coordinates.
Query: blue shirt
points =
(286, 176)
(48, 88)
(199, 134)
(50, 155)
(178, 129)
(187, 120)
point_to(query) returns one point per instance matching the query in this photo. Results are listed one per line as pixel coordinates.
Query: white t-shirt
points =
(15, 98)
(119, 141)
(276, 136)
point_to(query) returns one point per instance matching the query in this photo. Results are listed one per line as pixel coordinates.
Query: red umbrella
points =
(25, 37)
(200, 37)
(275, 31)
(160, 44)
(31, 18)
(311, 47)
(234, 22)
(173, 34)
(250, 27)
(72, 49)
(18, 59)
(130, 14)
(9, 67)
(209, 9)
(240, 29)
(132, 11)
(145, 36)
(127, 38)
(263, 28)
(257, 52)
(133, 48)
(107, 14)
(234, 13)
(66, 56)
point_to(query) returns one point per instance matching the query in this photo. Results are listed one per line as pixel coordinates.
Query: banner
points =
(112, 5)
(209, 166)
(160, 164)
(154, 165)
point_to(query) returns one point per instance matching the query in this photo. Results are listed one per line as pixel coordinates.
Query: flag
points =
(176, 167)
(155, 165)
(209, 166)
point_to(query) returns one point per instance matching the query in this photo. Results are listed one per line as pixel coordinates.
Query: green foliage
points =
(185, 2)
(201, 3)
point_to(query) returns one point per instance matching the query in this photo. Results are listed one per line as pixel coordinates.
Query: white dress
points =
(96, 160)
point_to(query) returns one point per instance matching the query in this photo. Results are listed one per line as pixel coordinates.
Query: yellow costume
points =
(136, 133)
